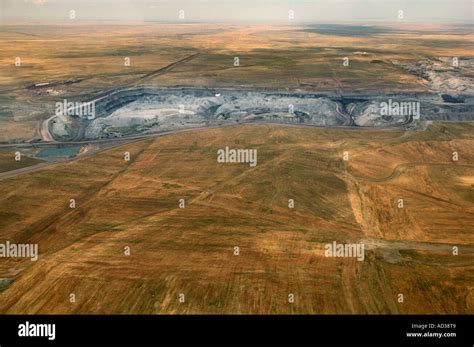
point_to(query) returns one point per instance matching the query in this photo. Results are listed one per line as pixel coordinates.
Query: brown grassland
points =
(191, 250)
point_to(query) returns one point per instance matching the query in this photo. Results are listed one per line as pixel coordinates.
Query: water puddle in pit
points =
(58, 152)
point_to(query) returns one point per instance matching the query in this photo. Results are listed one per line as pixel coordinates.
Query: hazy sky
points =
(238, 10)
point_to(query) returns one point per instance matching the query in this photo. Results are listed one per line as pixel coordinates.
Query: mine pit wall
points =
(433, 107)
(108, 104)
(115, 100)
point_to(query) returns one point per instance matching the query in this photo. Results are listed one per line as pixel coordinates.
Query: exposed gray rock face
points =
(451, 76)
(144, 110)
(152, 110)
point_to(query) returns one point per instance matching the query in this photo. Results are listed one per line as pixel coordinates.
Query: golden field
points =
(191, 250)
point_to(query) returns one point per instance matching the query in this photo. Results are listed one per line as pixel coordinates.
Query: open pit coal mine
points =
(141, 111)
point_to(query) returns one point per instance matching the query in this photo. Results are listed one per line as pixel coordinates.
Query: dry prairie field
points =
(281, 56)
(184, 260)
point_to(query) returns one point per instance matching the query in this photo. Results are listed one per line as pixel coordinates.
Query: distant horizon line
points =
(234, 22)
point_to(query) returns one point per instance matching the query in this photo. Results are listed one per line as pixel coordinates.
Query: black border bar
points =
(242, 329)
